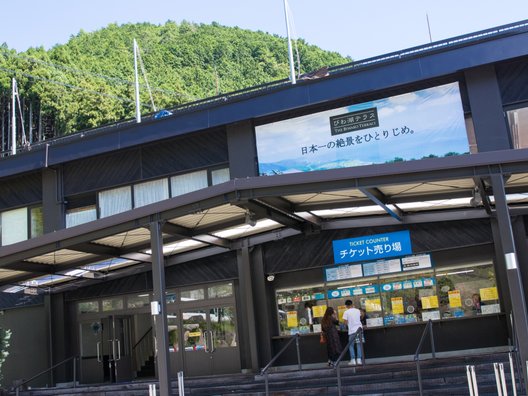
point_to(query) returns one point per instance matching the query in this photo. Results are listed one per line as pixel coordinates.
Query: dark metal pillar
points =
(247, 320)
(159, 309)
(515, 286)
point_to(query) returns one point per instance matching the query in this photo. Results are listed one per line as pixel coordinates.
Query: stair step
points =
(446, 376)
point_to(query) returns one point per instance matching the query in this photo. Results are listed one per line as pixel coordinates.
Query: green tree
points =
(88, 81)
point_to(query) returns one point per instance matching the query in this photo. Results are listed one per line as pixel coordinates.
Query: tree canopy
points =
(89, 81)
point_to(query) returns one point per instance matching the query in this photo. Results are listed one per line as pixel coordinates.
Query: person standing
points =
(328, 326)
(352, 318)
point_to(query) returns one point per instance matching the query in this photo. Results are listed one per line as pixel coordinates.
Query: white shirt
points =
(352, 316)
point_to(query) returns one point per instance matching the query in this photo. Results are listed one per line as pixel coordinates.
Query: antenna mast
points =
(138, 110)
(429, 27)
(290, 51)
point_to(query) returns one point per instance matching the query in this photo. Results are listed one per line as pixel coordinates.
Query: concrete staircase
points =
(442, 376)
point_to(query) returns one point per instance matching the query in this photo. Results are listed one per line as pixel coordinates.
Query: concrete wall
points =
(28, 350)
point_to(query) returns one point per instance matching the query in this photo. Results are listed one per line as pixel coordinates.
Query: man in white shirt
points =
(352, 318)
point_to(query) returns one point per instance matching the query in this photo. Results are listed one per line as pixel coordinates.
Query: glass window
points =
(518, 121)
(14, 226)
(183, 184)
(150, 192)
(409, 298)
(88, 306)
(220, 176)
(139, 301)
(174, 334)
(37, 222)
(301, 310)
(170, 297)
(115, 201)
(80, 215)
(192, 295)
(467, 291)
(365, 296)
(112, 304)
(223, 326)
(220, 291)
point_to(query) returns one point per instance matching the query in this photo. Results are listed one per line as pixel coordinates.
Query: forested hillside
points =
(88, 81)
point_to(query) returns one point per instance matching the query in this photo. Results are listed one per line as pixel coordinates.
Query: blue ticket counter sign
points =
(372, 247)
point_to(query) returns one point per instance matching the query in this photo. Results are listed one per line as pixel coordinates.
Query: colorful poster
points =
(318, 311)
(340, 311)
(397, 305)
(429, 302)
(414, 125)
(454, 298)
(373, 305)
(292, 318)
(488, 294)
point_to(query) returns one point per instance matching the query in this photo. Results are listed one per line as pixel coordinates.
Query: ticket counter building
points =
(202, 241)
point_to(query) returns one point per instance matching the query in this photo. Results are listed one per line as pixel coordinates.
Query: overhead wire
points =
(29, 75)
(99, 75)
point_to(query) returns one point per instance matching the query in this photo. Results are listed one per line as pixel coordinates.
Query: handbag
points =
(322, 338)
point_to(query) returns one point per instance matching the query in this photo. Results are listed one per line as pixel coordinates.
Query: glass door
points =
(210, 341)
(106, 350)
(120, 349)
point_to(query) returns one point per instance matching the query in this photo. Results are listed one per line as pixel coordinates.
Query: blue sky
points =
(356, 28)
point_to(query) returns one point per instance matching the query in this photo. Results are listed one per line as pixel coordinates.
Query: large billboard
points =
(416, 125)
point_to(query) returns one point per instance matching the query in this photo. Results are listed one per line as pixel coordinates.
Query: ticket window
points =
(409, 298)
(467, 291)
(300, 310)
(364, 295)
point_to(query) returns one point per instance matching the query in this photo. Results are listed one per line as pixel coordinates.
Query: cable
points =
(72, 86)
(80, 71)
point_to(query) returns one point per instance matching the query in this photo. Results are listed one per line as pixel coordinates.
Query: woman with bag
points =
(329, 331)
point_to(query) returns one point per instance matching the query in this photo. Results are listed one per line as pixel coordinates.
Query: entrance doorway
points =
(106, 349)
(210, 341)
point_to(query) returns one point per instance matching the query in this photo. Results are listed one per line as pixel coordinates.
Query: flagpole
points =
(13, 118)
(290, 51)
(138, 110)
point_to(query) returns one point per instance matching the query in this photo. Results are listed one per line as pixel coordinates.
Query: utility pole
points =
(290, 51)
(138, 104)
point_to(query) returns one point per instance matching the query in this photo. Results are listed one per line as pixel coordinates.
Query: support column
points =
(247, 319)
(52, 200)
(159, 309)
(515, 286)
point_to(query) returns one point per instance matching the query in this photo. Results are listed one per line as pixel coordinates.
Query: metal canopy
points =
(252, 211)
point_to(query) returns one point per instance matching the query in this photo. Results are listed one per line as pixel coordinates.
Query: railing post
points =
(75, 372)
(298, 352)
(497, 379)
(339, 390)
(266, 383)
(420, 389)
(432, 338)
(181, 388)
(512, 373)
(469, 380)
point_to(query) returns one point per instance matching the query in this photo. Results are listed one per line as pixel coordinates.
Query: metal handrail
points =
(74, 358)
(351, 338)
(264, 371)
(142, 337)
(428, 329)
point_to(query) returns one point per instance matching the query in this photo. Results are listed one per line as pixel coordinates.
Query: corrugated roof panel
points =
(62, 256)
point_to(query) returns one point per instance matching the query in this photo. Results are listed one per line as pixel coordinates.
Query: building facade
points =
(203, 241)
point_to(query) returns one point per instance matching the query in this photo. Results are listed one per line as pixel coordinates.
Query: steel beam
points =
(515, 286)
(160, 316)
(380, 199)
